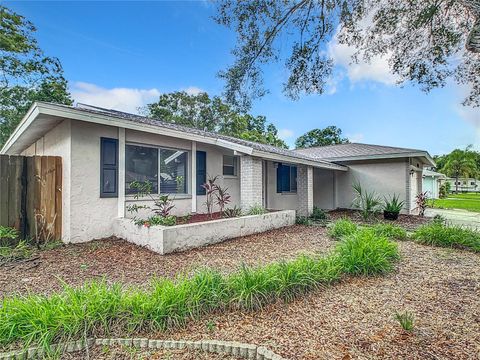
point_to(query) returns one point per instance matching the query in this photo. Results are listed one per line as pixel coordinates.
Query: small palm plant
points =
(367, 201)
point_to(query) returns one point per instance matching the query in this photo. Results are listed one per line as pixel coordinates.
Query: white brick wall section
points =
(304, 190)
(251, 183)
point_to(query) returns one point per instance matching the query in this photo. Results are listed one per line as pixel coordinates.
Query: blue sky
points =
(124, 54)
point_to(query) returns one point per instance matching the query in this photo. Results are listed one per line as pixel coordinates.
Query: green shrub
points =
(232, 212)
(98, 307)
(8, 236)
(341, 228)
(390, 231)
(406, 320)
(303, 220)
(14, 253)
(365, 253)
(318, 214)
(437, 233)
(256, 210)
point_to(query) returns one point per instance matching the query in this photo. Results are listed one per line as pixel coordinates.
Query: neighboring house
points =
(464, 184)
(103, 151)
(432, 181)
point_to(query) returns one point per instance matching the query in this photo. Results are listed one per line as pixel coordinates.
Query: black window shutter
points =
(108, 168)
(201, 172)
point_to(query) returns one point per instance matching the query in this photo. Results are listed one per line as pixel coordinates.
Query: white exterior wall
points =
(91, 216)
(324, 189)
(274, 200)
(384, 177)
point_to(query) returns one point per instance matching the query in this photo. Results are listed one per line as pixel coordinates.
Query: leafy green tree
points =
(461, 163)
(330, 135)
(427, 42)
(26, 75)
(212, 114)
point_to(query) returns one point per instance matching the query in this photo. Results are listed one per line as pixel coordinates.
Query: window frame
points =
(234, 166)
(292, 179)
(158, 148)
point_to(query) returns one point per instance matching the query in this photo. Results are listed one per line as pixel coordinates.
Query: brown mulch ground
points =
(355, 319)
(118, 260)
(350, 320)
(409, 222)
(131, 353)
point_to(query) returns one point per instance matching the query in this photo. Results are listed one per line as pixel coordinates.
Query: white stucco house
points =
(432, 181)
(104, 150)
(464, 184)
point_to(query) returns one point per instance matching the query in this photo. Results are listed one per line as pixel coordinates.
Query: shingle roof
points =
(167, 125)
(354, 150)
(427, 172)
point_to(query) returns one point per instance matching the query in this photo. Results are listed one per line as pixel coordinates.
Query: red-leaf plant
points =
(421, 201)
(223, 198)
(211, 188)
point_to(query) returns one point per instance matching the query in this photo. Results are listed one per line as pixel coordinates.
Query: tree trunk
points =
(456, 184)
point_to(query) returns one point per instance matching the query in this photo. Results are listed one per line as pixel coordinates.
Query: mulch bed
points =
(353, 319)
(130, 353)
(409, 222)
(118, 260)
(194, 218)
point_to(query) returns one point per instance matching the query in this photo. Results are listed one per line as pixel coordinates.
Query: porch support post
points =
(194, 176)
(121, 172)
(251, 181)
(304, 190)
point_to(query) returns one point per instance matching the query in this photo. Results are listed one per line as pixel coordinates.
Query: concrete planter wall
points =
(167, 239)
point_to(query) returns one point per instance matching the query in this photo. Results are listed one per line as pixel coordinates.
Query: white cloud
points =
(123, 99)
(355, 138)
(377, 69)
(285, 133)
(193, 90)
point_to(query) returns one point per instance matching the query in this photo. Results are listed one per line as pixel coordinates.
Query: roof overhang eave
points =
(321, 164)
(422, 154)
(53, 110)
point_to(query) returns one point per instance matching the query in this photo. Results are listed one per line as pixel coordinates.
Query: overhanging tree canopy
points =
(427, 42)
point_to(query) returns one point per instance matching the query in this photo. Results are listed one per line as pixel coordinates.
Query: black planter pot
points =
(390, 215)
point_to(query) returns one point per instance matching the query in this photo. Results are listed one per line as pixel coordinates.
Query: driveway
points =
(457, 217)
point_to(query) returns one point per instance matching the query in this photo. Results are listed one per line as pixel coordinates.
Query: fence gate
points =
(31, 195)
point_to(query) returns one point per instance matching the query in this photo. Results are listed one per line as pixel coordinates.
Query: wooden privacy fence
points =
(31, 195)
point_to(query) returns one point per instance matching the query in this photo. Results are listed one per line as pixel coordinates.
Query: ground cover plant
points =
(341, 228)
(390, 231)
(437, 233)
(469, 201)
(98, 307)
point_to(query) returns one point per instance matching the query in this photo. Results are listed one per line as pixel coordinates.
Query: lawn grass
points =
(468, 201)
(439, 234)
(101, 308)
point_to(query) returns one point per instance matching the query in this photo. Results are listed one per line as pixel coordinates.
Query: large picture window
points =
(173, 171)
(166, 169)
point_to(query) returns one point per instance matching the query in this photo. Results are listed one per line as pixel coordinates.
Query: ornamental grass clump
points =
(365, 253)
(439, 234)
(341, 228)
(99, 308)
(390, 231)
